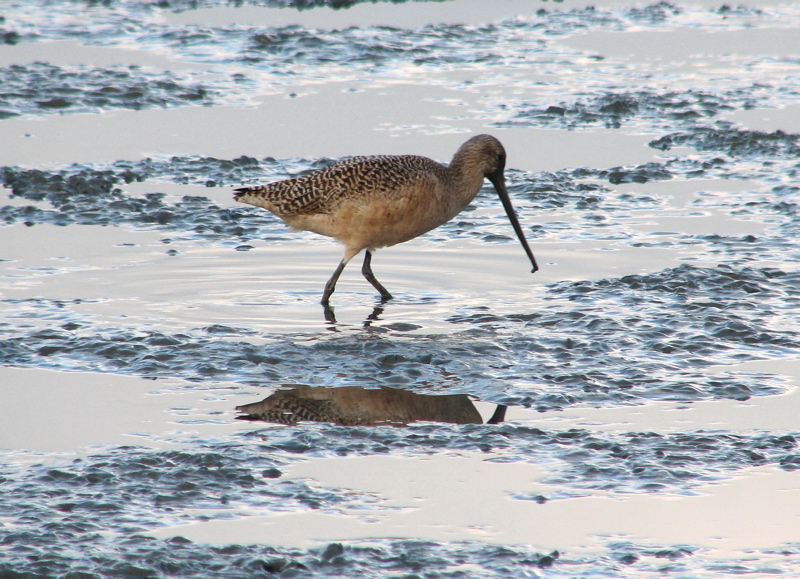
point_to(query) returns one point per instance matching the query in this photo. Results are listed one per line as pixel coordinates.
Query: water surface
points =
(650, 369)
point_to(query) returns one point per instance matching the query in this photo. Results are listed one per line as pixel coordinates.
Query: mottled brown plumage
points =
(373, 202)
(354, 406)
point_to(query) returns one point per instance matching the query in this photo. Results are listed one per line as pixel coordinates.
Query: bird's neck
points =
(466, 179)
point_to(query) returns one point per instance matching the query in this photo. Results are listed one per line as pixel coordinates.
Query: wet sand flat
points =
(649, 370)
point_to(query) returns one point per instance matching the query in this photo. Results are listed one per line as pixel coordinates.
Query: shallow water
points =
(649, 369)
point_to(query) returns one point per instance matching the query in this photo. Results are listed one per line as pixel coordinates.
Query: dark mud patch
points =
(145, 556)
(697, 112)
(657, 109)
(100, 504)
(734, 142)
(292, 50)
(659, 171)
(649, 109)
(549, 371)
(95, 195)
(142, 556)
(40, 88)
(181, 5)
(377, 49)
(90, 196)
(618, 341)
(296, 51)
(522, 41)
(578, 459)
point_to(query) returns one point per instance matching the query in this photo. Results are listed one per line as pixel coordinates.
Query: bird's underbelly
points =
(374, 225)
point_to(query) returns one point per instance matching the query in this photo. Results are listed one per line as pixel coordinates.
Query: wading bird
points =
(373, 202)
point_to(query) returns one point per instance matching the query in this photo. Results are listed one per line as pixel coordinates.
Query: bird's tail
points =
(252, 196)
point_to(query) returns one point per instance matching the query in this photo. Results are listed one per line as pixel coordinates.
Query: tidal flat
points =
(649, 371)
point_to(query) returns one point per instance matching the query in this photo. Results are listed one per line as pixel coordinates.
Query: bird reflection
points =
(354, 406)
(330, 315)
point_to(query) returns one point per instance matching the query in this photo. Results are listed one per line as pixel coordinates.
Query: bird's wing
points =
(350, 179)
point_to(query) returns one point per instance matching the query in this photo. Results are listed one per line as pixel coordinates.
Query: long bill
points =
(499, 184)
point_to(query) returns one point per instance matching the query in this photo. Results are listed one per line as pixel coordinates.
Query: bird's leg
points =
(331, 285)
(366, 269)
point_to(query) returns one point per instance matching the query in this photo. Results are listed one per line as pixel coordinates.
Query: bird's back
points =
(356, 179)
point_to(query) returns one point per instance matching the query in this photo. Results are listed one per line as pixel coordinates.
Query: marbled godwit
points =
(373, 202)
